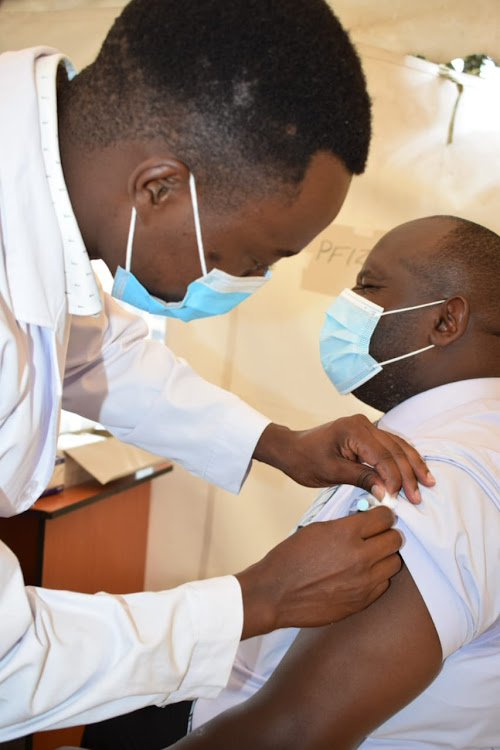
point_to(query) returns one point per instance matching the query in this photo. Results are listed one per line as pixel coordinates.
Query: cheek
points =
(387, 339)
(397, 334)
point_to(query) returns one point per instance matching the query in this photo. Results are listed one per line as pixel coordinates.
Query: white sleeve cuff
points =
(233, 447)
(216, 607)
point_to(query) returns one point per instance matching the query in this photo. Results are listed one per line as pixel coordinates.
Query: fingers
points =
(321, 573)
(389, 478)
(383, 571)
(378, 462)
(379, 560)
(411, 467)
(393, 468)
(395, 463)
(386, 568)
(350, 450)
(383, 545)
(373, 530)
(381, 542)
(374, 521)
(383, 549)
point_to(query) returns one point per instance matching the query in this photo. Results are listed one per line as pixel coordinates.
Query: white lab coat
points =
(62, 655)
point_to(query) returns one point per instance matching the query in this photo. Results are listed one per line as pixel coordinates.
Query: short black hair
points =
(229, 85)
(466, 261)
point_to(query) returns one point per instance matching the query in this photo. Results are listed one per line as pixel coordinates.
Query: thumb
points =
(362, 475)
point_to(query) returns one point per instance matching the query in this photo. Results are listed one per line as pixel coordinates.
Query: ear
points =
(156, 183)
(451, 321)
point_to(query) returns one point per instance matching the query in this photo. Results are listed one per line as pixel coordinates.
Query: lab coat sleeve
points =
(28, 411)
(69, 658)
(147, 396)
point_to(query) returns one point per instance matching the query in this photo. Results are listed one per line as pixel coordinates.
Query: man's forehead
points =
(408, 242)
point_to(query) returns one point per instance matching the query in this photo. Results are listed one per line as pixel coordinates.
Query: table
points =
(87, 538)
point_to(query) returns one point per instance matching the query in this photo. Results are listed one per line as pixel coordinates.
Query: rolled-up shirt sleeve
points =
(452, 553)
(70, 658)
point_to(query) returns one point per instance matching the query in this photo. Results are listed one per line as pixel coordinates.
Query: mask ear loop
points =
(414, 307)
(404, 356)
(197, 227)
(417, 351)
(130, 239)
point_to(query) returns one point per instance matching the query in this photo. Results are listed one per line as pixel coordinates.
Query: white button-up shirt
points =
(453, 554)
(60, 344)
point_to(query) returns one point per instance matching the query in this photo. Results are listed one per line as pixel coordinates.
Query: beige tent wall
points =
(437, 29)
(266, 350)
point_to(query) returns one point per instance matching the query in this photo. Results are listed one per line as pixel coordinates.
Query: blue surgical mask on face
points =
(344, 340)
(213, 293)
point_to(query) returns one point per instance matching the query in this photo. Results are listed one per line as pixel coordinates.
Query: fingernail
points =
(430, 478)
(417, 497)
(377, 492)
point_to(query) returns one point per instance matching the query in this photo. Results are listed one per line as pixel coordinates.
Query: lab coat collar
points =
(30, 232)
(82, 293)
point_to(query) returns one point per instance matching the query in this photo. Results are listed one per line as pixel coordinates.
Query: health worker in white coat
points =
(206, 142)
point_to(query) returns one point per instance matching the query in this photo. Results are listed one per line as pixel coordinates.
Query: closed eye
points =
(364, 287)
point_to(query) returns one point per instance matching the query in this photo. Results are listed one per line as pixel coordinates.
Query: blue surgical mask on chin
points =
(214, 293)
(344, 340)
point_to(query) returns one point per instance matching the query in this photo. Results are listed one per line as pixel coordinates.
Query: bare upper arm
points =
(349, 677)
(338, 683)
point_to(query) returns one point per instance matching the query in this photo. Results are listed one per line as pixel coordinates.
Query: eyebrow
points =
(373, 270)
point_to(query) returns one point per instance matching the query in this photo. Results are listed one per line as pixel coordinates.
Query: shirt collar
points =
(408, 416)
(81, 288)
